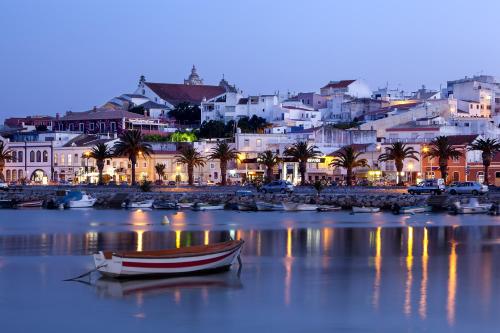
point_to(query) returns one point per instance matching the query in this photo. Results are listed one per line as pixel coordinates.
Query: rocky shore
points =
(112, 198)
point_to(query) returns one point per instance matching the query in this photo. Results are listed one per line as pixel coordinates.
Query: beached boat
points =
(247, 206)
(411, 209)
(328, 208)
(77, 199)
(30, 204)
(182, 261)
(364, 209)
(161, 204)
(138, 204)
(265, 206)
(185, 205)
(472, 207)
(206, 206)
(293, 206)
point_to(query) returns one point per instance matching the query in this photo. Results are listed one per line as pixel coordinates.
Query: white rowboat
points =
(365, 209)
(183, 261)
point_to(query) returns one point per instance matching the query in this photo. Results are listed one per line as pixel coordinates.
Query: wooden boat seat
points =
(188, 251)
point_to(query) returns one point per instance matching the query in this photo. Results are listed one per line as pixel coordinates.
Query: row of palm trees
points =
(131, 144)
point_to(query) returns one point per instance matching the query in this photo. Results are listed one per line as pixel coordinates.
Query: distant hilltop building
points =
(192, 91)
(194, 79)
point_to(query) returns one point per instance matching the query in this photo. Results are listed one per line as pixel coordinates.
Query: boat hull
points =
(365, 209)
(30, 204)
(118, 266)
(266, 207)
(81, 203)
(209, 207)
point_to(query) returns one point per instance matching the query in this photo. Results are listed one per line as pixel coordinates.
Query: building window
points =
(69, 159)
(19, 174)
(62, 159)
(103, 127)
(13, 157)
(212, 166)
(38, 156)
(108, 162)
(246, 143)
(456, 176)
(7, 176)
(81, 127)
(258, 143)
(91, 126)
(14, 175)
(45, 156)
(71, 128)
(20, 156)
(75, 159)
(32, 156)
(112, 125)
(56, 156)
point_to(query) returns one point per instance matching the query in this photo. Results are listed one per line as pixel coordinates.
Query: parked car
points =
(4, 186)
(281, 186)
(473, 188)
(431, 186)
(171, 183)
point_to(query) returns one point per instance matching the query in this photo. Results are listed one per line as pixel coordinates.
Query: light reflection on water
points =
(414, 273)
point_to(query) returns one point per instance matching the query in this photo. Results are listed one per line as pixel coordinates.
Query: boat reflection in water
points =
(129, 288)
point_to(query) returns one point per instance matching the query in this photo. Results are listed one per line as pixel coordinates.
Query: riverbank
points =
(111, 197)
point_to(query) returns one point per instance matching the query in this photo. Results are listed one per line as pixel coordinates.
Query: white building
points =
(478, 96)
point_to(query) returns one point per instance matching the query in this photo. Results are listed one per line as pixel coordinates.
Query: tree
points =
(192, 158)
(255, 124)
(131, 144)
(160, 171)
(348, 158)
(443, 150)
(301, 152)
(186, 113)
(269, 160)
(100, 153)
(398, 152)
(488, 148)
(181, 136)
(224, 153)
(318, 186)
(5, 156)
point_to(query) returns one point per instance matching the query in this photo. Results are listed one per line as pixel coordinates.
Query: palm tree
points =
(192, 158)
(100, 152)
(348, 158)
(224, 153)
(398, 152)
(443, 150)
(160, 171)
(131, 145)
(5, 156)
(488, 148)
(270, 160)
(301, 152)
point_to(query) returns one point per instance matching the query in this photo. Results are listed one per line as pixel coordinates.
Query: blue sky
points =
(72, 55)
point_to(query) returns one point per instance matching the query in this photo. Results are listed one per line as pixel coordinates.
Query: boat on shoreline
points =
(189, 260)
(161, 204)
(364, 209)
(185, 205)
(5, 204)
(76, 199)
(411, 209)
(206, 206)
(266, 207)
(472, 207)
(247, 207)
(295, 207)
(30, 204)
(328, 208)
(138, 204)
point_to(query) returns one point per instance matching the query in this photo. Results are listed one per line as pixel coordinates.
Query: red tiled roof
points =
(339, 84)
(99, 114)
(178, 93)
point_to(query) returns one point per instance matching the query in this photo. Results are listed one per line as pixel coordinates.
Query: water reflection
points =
(452, 284)
(422, 307)
(378, 267)
(409, 272)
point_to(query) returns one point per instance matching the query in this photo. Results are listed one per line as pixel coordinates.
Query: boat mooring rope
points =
(87, 273)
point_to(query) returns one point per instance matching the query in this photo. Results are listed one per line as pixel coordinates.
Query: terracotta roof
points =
(339, 84)
(99, 114)
(178, 93)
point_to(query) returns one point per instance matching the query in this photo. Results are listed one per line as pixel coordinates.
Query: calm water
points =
(302, 272)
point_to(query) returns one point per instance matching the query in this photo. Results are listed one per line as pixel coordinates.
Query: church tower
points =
(194, 79)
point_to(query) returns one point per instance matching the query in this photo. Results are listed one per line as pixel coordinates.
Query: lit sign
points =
(316, 160)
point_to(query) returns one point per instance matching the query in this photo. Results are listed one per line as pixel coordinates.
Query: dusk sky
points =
(72, 55)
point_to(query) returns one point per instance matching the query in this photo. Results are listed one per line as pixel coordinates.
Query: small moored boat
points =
(396, 209)
(364, 209)
(206, 206)
(473, 207)
(292, 206)
(265, 206)
(77, 199)
(138, 204)
(328, 208)
(185, 205)
(161, 204)
(247, 206)
(30, 204)
(182, 261)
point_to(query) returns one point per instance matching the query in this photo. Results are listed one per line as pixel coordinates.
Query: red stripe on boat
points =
(174, 264)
